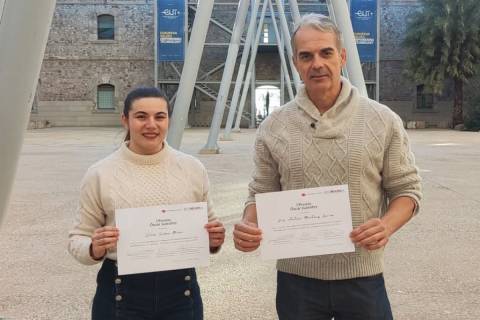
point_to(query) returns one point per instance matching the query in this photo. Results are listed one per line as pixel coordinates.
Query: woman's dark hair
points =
(143, 92)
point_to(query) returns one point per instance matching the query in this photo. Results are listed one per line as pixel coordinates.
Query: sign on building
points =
(171, 30)
(363, 14)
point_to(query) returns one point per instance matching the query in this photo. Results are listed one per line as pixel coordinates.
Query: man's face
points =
(318, 61)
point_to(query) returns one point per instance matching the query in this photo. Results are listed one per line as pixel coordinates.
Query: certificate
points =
(162, 238)
(305, 222)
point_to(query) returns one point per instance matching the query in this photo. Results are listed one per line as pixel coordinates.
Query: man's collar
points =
(303, 100)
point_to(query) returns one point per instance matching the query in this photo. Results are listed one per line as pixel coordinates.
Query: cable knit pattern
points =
(358, 142)
(129, 180)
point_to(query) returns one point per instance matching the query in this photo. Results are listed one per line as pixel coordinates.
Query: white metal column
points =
(295, 12)
(189, 73)
(253, 100)
(250, 69)
(281, 52)
(24, 28)
(282, 85)
(288, 45)
(241, 70)
(354, 67)
(238, 28)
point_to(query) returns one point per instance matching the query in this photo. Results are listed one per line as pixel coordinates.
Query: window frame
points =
(98, 103)
(101, 30)
(425, 100)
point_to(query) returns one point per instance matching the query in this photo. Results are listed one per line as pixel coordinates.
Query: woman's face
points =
(148, 125)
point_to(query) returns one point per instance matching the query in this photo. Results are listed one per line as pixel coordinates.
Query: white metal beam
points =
(24, 28)
(354, 67)
(189, 74)
(251, 69)
(295, 12)
(288, 45)
(281, 52)
(238, 28)
(241, 70)
(253, 101)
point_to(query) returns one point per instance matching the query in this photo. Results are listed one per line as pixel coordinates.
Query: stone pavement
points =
(432, 265)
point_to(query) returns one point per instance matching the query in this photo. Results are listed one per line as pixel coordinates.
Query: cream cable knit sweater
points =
(358, 142)
(129, 180)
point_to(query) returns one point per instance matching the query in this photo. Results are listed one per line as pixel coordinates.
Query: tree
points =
(443, 42)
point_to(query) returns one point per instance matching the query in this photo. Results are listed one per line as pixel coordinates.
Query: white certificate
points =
(162, 238)
(305, 222)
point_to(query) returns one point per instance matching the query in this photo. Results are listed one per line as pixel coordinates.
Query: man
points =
(330, 135)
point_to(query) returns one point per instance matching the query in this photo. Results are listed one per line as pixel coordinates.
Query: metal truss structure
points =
(256, 9)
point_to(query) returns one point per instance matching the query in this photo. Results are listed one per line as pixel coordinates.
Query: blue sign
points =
(363, 14)
(171, 30)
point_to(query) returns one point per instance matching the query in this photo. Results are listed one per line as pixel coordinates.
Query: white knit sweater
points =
(358, 142)
(129, 180)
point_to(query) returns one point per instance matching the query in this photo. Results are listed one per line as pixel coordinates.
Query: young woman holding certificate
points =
(145, 171)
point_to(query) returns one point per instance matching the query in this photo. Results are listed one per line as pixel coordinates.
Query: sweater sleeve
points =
(400, 175)
(266, 176)
(89, 217)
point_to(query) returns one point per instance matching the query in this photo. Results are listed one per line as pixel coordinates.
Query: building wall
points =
(396, 90)
(75, 63)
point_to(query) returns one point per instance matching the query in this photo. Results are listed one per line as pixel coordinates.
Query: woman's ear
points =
(124, 120)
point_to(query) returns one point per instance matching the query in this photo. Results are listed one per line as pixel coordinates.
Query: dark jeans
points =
(300, 298)
(166, 295)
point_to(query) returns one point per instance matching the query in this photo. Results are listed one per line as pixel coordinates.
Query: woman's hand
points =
(216, 235)
(103, 238)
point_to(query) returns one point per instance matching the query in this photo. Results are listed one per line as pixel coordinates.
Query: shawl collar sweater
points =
(358, 142)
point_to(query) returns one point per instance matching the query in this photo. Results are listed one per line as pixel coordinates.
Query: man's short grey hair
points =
(319, 22)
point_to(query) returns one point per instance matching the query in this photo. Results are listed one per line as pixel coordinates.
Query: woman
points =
(143, 172)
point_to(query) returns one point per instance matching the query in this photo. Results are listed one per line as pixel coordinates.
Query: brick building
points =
(100, 49)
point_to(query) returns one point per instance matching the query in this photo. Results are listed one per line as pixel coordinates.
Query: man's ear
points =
(294, 60)
(343, 55)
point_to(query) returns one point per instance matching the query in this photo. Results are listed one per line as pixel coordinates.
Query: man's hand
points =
(216, 235)
(371, 235)
(374, 233)
(246, 234)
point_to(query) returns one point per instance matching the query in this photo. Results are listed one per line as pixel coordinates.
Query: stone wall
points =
(396, 90)
(73, 114)
(75, 62)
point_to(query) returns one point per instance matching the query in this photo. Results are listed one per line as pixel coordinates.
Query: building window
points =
(268, 32)
(105, 97)
(424, 97)
(371, 90)
(265, 33)
(106, 27)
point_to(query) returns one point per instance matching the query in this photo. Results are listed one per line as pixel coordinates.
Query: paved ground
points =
(432, 265)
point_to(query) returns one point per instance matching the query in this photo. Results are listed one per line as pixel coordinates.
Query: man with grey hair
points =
(331, 135)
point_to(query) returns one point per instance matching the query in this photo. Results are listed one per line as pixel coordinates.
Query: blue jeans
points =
(166, 295)
(300, 298)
